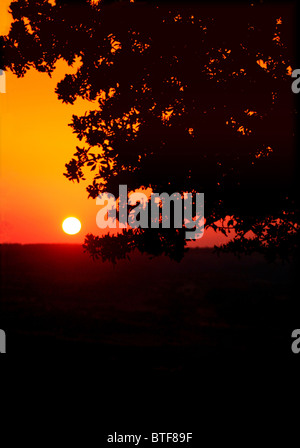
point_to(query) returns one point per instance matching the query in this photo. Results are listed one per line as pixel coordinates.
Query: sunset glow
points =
(36, 142)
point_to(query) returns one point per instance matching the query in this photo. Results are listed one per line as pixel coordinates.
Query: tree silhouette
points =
(185, 97)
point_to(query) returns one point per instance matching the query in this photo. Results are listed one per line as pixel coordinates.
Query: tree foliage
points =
(184, 97)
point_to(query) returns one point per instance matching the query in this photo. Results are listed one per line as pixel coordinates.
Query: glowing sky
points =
(35, 144)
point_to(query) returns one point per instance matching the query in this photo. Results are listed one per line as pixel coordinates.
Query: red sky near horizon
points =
(35, 144)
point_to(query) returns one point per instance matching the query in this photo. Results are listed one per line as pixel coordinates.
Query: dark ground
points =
(149, 315)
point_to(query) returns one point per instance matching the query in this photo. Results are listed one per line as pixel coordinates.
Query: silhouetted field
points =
(155, 315)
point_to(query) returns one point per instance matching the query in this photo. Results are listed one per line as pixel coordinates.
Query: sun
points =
(71, 226)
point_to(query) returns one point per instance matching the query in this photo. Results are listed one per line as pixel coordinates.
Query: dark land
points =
(146, 314)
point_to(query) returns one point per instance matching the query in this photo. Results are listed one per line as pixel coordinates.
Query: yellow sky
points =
(35, 143)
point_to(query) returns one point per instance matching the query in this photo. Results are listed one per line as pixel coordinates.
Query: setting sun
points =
(71, 226)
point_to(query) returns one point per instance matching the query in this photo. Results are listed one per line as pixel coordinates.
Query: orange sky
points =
(35, 144)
